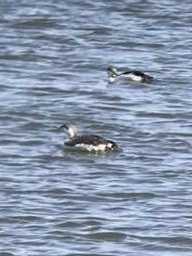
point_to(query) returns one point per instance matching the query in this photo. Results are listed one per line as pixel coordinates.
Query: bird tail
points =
(112, 74)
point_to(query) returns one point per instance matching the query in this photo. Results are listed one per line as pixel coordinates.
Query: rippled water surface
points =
(54, 56)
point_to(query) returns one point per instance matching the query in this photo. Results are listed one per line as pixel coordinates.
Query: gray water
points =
(54, 56)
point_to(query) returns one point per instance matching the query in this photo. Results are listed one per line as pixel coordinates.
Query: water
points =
(54, 57)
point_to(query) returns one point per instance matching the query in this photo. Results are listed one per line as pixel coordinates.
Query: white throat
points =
(72, 131)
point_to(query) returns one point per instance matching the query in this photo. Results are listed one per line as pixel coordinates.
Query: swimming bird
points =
(87, 142)
(133, 75)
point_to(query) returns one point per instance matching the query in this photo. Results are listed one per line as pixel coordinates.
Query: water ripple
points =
(53, 70)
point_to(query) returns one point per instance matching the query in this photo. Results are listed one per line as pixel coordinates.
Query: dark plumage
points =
(88, 142)
(139, 76)
(134, 75)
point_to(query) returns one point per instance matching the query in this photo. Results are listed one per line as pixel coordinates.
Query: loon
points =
(133, 75)
(89, 143)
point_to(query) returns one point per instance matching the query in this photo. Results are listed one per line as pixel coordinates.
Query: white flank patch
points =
(91, 148)
(134, 77)
(111, 79)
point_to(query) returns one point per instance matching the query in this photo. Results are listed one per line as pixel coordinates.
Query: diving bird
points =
(133, 75)
(88, 142)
